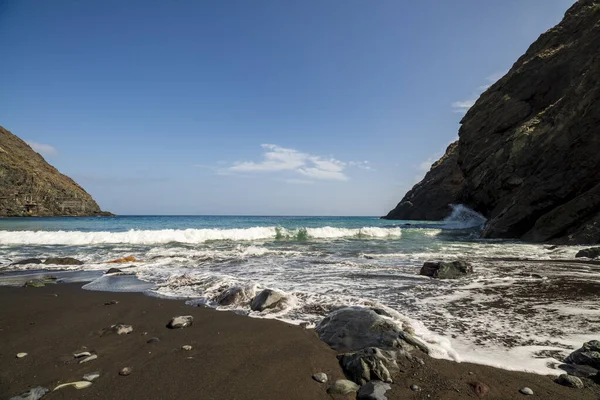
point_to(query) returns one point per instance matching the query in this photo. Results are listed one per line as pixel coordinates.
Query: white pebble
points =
(526, 391)
(21, 355)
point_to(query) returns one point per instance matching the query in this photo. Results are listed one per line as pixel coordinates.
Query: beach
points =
(232, 356)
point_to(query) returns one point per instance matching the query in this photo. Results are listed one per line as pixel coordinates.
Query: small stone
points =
(526, 391)
(35, 283)
(77, 385)
(113, 271)
(35, 393)
(88, 359)
(21, 355)
(342, 387)
(570, 381)
(415, 388)
(480, 389)
(125, 371)
(186, 347)
(119, 329)
(82, 354)
(181, 321)
(153, 340)
(92, 376)
(373, 390)
(320, 377)
(111, 302)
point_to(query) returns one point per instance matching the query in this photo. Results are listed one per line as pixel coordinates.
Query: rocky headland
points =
(527, 154)
(29, 186)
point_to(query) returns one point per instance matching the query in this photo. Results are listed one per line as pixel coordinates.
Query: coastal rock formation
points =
(29, 186)
(592, 252)
(430, 199)
(369, 364)
(268, 298)
(528, 148)
(446, 270)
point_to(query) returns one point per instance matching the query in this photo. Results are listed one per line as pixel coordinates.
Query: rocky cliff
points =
(528, 149)
(29, 186)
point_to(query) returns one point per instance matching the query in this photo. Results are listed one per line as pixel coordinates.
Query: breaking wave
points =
(463, 217)
(190, 236)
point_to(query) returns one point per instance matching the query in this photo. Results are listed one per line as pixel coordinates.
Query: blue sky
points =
(332, 107)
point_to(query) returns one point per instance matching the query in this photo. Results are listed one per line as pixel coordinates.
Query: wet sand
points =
(233, 356)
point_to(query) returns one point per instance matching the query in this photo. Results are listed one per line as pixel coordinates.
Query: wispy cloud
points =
(277, 159)
(462, 106)
(44, 149)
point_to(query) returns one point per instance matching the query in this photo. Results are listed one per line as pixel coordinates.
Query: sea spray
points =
(463, 217)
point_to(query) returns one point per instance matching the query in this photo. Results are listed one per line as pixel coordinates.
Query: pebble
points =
(342, 387)
(526, 391)
(77, 385)
(92, 376)
(111, 302)
(21, 355)
(320, 377)
(35, 393)
(122, 329)
(88, 358)
(181, 321)
(186, 347)
(415, 388)
(153, 340)
(125, 371)
(570, 381)
(82, 354)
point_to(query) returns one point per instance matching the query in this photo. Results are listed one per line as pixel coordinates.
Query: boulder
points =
(268, 298)
(35, 283)
(374, 390)
(62, 261)
(369, 364)
(28, 261)
(113, 271)
(35, 393)
(570, 381)
(582, 371)
(588, 354)
(233, 295)
(182, 321)
(446, 270)
(592, 252)
(342, 387)
(356, 328)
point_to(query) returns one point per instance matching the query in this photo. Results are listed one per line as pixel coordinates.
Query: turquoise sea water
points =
(504, 314)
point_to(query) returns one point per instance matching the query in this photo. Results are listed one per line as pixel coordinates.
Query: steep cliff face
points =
(430, 199)
(29, 186)
(529, 147)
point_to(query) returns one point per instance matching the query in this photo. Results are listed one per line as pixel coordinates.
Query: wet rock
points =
(526, 391)
(119, 329)
(415, 388)
(35, 393)
(63, 261)
(320, 377)
(369, 364)
(582, 371)
(181, 321)
(21, 355)
(92, 376)
(88, 359)
(342, 386)
(123, 260)
(35, 283)
(186, 347)
(125, 371)
(570, 381)
(234, 295)
(113, 271)
(592, 252)
(374, 390)
(28, 261)
(355, 328)
(446, 270)
(153, 340)
(480, 389)
(77, 385)
(268, 298)
(588, 354)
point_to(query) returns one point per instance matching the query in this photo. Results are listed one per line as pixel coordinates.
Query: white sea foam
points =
(191, 236)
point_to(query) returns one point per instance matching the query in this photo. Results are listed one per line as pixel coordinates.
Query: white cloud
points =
(463, 106)
(277, 159)
(43, 149)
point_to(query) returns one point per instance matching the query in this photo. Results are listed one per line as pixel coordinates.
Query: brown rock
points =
(123, 260)
(125, 371)
(480, 389)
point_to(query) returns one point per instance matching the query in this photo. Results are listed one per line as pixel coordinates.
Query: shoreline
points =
(232, 357)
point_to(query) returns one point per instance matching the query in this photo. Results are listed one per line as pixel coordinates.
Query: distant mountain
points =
(528, 154)
(29, 186)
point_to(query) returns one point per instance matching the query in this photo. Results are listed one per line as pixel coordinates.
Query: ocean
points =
(525, 307)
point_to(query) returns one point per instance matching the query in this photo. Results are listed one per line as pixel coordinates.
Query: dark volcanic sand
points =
(233, 356)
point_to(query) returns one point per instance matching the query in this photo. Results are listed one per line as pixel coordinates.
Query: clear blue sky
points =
(278, 107)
